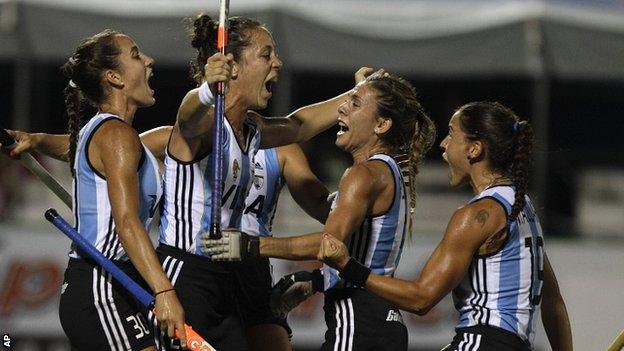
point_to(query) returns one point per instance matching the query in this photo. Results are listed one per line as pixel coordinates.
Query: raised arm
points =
(358, 189)
(554, 312)
(305, 188)
(466, 232)
(305, 122)
(117, 152)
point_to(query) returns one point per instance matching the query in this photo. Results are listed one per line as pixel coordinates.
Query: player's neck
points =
(364, 153)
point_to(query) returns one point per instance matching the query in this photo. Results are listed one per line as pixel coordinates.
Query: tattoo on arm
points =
(482, 217)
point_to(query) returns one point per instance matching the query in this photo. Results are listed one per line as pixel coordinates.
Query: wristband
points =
(163, 291)
(355, 272)
(318, 285)
(205, 94)
(253, 247)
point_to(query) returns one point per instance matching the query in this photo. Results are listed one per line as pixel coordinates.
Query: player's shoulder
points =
(117, 134)
(485, 213)
(360, 177)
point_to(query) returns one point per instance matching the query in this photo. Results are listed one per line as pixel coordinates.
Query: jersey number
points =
(137, 320)
(537, 267)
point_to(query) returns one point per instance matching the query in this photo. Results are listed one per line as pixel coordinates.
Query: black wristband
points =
(318, 285)
(253, 246)
(355, 272)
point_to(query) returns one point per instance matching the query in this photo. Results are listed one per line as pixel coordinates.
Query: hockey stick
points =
(194, 341)
(618, 343)
(217, 133)
(37, 169)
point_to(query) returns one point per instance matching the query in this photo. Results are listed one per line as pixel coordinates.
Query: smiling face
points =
(358, 119)
(457, 148)
(257, 70)
(135, 69)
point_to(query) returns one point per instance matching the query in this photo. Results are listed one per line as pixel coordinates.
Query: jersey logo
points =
(258, 181)
(235, 169)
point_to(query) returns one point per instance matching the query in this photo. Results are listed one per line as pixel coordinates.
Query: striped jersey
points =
(92, 209)
(503, 289)
(378, 242)
(261, 202)
(188, 190)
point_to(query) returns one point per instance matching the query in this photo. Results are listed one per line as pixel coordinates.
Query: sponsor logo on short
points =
(394, 316)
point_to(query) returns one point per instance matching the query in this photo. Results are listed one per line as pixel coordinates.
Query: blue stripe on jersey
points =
(92, 207)
(384, 236)
(510, 291)
(273, 183)
(388, 233)
(509, 281)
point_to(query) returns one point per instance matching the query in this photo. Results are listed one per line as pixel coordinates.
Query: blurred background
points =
(559, 64)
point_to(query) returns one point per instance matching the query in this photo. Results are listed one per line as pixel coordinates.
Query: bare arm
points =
(358, 189)
(117, 150)
(305, 188)
(156, 140)
(300, 125)
(305, 122)
(194, 120)
(466, 232)
(52, 145)
(554, 312)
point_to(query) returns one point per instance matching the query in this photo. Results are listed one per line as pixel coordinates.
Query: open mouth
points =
(268, 85)
(149, 76)
(343, 128)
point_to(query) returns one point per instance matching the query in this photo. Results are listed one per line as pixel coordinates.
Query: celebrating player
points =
(492, 254)
(386, 131)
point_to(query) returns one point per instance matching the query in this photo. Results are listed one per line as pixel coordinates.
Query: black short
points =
(97, 313)
(206, 292)
(359, 320)
(486, 338)
(254, 292)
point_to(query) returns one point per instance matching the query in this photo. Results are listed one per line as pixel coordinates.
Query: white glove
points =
(233, 245)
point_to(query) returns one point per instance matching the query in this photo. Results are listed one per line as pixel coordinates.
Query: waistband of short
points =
(496, 332)
(193, 259)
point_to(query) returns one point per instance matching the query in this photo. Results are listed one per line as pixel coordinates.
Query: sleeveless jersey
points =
(378, 242)
(92, 209)
(188, 190)
(261, 202)
(503, 289)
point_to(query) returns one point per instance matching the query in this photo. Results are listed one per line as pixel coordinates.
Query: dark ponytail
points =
(412, 133)
(84, 91)
(508, 141)
(520, 167)
(204, 39)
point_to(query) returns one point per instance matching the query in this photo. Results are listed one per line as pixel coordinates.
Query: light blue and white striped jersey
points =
(261, 202)
(378, 242)
(503, 289)
(188, 190)
(92, 209)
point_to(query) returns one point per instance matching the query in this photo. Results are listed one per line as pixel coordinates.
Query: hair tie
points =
(516, 126)
(72, 84)
(71, 60)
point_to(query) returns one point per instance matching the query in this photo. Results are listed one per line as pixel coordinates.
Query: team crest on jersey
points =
(258, 181)
(258, 178)
(235, 169)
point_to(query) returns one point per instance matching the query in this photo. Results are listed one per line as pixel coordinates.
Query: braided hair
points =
(412, 132)
(507, 139)
(204, 39)
(84, 90)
